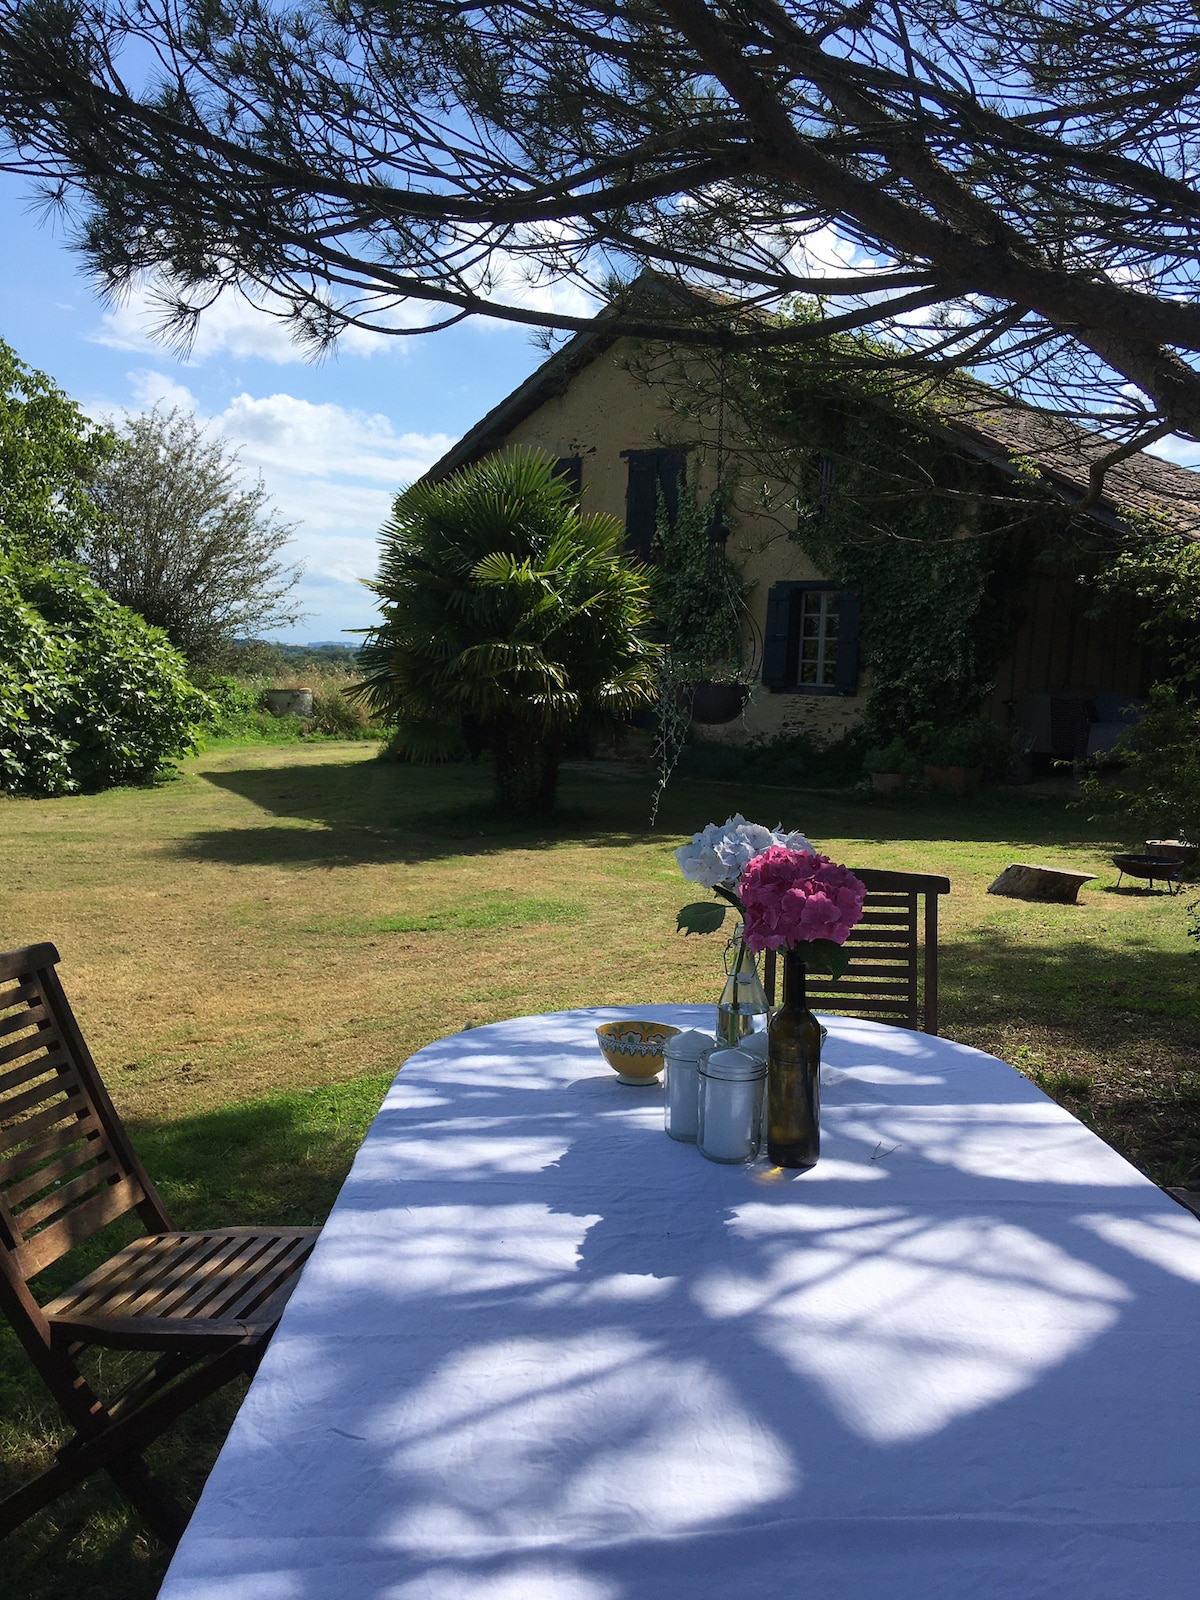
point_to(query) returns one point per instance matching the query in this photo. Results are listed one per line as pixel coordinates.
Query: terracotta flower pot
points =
(958, 780)
(719, 702)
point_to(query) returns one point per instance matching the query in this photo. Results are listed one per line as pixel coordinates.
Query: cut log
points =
(1023, 881)
(1173, 850)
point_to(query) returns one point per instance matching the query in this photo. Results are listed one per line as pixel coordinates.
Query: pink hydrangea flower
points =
(794, 896)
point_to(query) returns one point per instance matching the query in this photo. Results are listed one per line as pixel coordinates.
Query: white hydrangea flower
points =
(720, 853)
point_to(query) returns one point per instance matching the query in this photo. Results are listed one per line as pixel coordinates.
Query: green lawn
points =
(255, 948)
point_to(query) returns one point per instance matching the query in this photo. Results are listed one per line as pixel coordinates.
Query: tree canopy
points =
(507, 616)
(184, 542)
(50, 454)
(1005, 184)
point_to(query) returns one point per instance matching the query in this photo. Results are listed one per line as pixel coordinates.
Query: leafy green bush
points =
(892, 757)
(973, 743)
(1157, 794)
(239, 712)
(785, 760)
(90, 694)
(337, 716)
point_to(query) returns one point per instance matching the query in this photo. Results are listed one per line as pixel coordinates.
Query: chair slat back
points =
(67, 1168)
(892, 976)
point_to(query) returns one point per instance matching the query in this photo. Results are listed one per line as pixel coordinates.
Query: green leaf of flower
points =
(822, 955)
(702, 916)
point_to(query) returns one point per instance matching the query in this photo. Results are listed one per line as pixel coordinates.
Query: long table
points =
(543, 1352)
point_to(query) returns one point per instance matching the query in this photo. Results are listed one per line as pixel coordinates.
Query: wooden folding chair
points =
(203, 1305)
(893, 971)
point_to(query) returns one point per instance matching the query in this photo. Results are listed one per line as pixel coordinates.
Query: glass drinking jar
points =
(731, 1095)
(682, 1057)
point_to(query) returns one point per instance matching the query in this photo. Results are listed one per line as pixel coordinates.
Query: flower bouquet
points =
(794, 899)
(717, 858)
(805, 905)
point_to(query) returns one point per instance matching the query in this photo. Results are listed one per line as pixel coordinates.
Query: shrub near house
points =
(90, 694)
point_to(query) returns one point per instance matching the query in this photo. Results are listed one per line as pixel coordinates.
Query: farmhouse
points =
(635, 433)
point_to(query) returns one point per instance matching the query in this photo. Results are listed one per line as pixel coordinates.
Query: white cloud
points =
(1183, 452)
(284, 437)
(243, 326)
(824, 253)
(250, 325)
(316, 440)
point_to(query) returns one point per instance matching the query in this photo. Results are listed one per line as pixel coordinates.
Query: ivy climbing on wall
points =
(891, 511)
(940, 594)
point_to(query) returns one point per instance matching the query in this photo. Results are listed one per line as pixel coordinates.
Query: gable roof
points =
(995, 427)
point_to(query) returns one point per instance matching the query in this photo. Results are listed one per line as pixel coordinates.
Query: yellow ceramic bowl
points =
(634, 1050)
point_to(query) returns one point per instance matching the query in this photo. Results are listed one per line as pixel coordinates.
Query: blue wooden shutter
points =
(641, 502)
(846, 667)
(671, 470)
(775, 638)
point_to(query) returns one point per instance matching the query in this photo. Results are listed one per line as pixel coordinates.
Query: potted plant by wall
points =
(958, 758)
(889, 766)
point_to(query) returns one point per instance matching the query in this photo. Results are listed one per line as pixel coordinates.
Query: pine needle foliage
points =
(507, 615)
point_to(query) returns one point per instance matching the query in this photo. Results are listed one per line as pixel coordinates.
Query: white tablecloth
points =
(543, 1352)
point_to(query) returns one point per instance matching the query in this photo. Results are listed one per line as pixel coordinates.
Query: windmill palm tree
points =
(506, 609)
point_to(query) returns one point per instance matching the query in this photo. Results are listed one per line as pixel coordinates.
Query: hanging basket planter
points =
(714, 703)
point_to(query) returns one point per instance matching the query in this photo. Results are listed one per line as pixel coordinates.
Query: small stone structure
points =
(290, 702)
(1024, 881)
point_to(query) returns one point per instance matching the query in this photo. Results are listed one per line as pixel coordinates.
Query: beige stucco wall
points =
(608, 408)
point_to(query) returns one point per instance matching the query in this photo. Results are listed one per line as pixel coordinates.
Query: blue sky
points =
(333, 441)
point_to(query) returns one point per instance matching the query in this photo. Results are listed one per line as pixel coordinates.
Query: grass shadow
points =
(356, 812)
(1126, 1061)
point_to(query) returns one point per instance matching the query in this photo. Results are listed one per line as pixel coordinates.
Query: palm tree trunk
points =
(526, 767)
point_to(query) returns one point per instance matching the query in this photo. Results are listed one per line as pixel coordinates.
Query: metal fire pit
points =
(1151, 867)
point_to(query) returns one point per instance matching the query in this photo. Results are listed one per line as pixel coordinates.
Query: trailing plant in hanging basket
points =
(716, 703)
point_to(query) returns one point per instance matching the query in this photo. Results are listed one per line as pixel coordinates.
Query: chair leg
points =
(115, 1447)
(132, 1477)
(36, 1495)
(157, 1508)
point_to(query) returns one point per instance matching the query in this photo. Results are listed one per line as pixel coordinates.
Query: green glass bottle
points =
(793, 1073)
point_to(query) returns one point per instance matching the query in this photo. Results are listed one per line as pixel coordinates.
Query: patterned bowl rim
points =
(633, 1042)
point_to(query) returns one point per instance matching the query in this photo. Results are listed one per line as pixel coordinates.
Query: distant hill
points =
(259, 657)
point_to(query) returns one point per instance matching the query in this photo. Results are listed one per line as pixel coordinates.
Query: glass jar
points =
(742, 1008)
(731, 1093)
(682, 1058)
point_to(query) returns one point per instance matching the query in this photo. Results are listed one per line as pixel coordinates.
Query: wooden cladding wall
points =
(1058, 648)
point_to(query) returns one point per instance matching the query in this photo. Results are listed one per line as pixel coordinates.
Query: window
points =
(811, 641)
(817, 667)
(649, 472)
